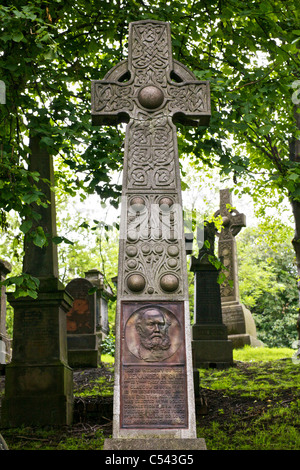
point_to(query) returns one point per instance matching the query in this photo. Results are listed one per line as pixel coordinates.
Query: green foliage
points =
(51, 52)
(260, 411)
(25, 285)
(268, 386)
(54, 439)
(108, 345)
(262, 354)
(267, 282)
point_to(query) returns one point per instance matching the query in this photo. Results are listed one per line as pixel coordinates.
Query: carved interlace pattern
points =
(151, 165)
(151, 156)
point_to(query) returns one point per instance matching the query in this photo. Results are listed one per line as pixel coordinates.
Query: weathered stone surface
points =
(239, 321)
(152, 272)
(154, 444)
(103, 294)
(83, 340)
(38, 384)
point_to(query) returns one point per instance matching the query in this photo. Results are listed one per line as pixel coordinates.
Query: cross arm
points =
(190, 102)
(111, 102)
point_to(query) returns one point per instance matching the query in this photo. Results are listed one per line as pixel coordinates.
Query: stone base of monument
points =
(36, 395)
(38, 381)
(83, 350)
(154, 444)
(211, 346)
(83, 358)
(240, 325)
(239, 341)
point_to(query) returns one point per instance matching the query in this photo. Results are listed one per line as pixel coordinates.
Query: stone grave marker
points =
(39, 381)
(154, 406)
(103, 294)
(210, 344)
(5, 341)
(83, 339)
(238, 319)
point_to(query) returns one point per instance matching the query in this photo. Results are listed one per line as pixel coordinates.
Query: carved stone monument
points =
(5, 341)
(103, 294)
(238, 319)
(83, 339)
(39, 382)
(210, 344)
(154, 395)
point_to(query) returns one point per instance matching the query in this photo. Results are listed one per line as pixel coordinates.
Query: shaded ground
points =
(93, 411)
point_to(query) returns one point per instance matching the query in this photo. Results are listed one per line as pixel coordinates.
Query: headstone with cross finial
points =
(154, 394)
(238, 319)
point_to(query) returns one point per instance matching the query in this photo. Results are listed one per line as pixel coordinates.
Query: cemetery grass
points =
(253, 405)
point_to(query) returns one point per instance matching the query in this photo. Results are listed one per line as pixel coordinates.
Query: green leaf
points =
(18, 36)
(25, 226)
(39, 238)
(57, 240)
(92, 290)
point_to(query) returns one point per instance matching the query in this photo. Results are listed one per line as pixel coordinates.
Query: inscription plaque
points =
(154, 395)
(153, 373)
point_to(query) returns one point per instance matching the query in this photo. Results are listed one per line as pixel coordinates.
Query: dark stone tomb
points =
(210, 344)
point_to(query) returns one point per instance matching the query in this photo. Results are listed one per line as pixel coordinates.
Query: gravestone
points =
(5, 341)
(103, 294)
(210, 344)
(39, 382)
(83, 340)
(238, 319)
(154, 394)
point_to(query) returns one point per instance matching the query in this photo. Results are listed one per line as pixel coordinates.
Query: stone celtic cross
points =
(233, 222)
(150, 91)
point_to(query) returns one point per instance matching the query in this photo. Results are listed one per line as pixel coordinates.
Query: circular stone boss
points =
(169, 282)
(151, 97)
(137, 204)
(136, 282)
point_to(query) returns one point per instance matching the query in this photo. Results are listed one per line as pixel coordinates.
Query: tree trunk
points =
(295, 157)
(296, 244)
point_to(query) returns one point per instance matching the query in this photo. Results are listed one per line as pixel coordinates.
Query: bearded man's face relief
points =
(153, 330)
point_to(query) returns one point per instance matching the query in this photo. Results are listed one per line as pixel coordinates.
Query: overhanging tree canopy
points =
(248, 50)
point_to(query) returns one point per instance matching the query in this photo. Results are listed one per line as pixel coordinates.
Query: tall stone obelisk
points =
(39, 381)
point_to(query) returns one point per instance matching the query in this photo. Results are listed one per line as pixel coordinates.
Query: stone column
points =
(210, 345)
(5, 342)
(39, 382)
(103, 294)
